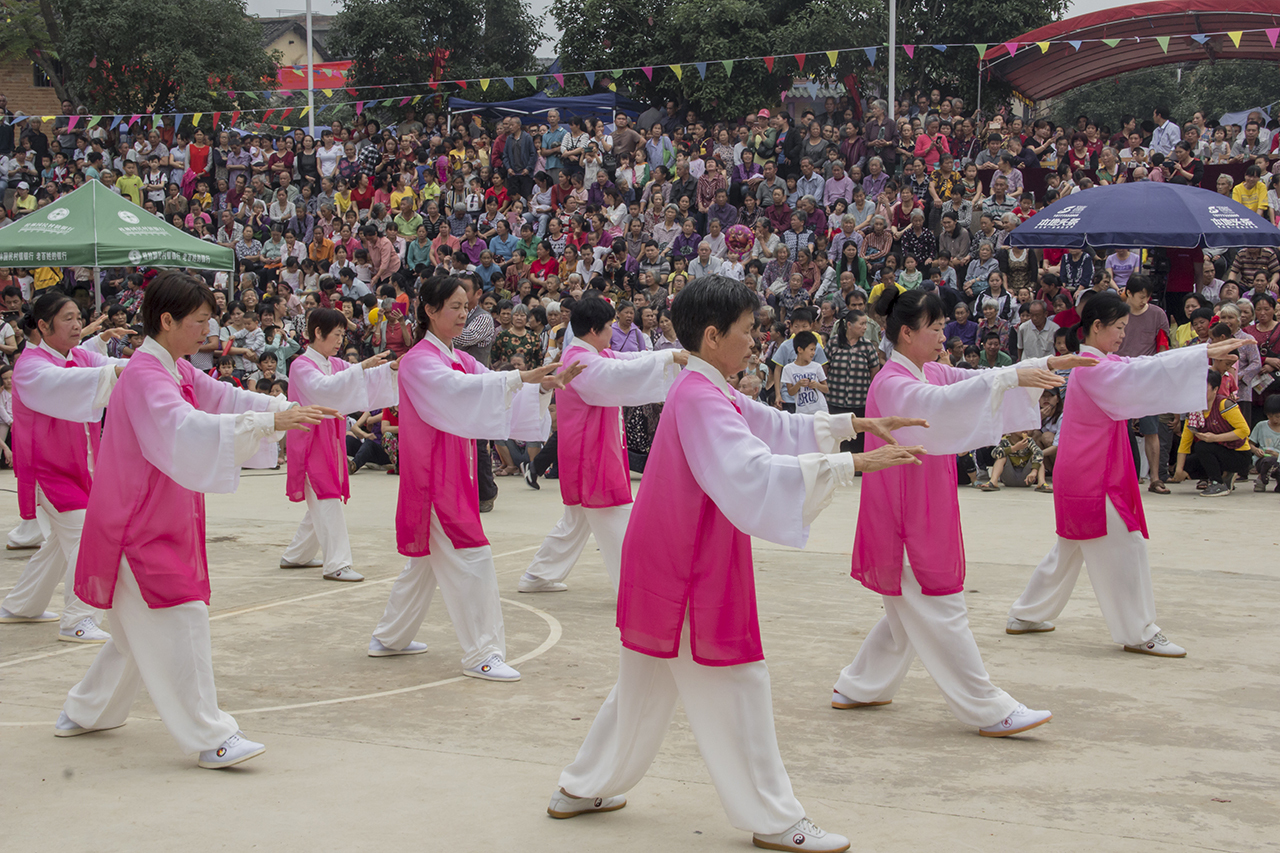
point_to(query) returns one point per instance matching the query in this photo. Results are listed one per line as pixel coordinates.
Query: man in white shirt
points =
(1166, 134)
(704, 264)
(1035, 337)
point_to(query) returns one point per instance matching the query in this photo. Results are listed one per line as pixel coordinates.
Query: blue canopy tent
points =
(604, 105)
(1145, 214)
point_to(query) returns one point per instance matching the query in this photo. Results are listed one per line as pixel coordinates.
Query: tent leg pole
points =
(979, 104)
(97, 289)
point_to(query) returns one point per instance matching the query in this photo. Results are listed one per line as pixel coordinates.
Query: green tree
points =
(411, 41)
(138, 55)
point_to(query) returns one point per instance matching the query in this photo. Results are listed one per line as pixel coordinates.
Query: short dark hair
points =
(709, 300)
(1139, 283)
(803, 340)
(175, 293)
(322, 321)
(592, 314)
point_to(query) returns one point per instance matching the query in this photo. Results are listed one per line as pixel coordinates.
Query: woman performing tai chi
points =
(908, 546)
(172, 434)
(447, 401)
(59, 391)
(723, 468)
(318, 471)
(1096, 500)
(595, 480)
(33, 529)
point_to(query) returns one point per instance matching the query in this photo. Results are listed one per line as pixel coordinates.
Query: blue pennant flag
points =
(591, 78)
(702, 69)
(511, 82)
(177, 121)
(941, 48)
(115, 121)
(1075, 44)
(871, 54)
(1200, 38)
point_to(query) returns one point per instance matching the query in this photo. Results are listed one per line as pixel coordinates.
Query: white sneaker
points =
(66, 727)
(309, 564)
(1158, 646)
(47, 616)
(378, 650)
(84, 631)
(1022, 719)
(345, 574)
(844, 703)
(494, 668)
(234, 750)
(805, 836)
(1022, 626)
(564, 806)
(541, 585)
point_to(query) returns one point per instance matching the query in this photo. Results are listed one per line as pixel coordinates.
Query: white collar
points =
(320, 361)
(62, 359)
(910, 365)
(1085, 349)
(150, 347)
(579, 342)
(697, 365)
(442, 346)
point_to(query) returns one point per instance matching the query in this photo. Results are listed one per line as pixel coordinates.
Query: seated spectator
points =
(1215, 443)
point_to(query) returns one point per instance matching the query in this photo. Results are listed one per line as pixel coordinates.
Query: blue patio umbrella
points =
(1145, 215)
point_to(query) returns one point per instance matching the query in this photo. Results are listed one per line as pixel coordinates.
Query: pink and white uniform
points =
(172, 434)
(595, 477)
(723, 468)
(58, 403)
(909, 547)
(447, 401)
(318, 456)
(1096, 499)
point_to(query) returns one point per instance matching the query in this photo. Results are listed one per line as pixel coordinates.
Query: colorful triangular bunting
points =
(1235, 36)
(800, 58)
(1272, 34)
(511, 82)
(484, 84)
(871, 54)
(910, 49)
(831, 57)
(768, 63)
(648, 71)
(702, 69)
(728, 67)
(1012, 47)
(1043, 45)
(1111, 42)
(1075, 44)
(591, 79)
(1163, 41)
(678, 71)
(940, 48)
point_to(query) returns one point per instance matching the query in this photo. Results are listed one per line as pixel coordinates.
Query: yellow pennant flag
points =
(679, 71)
(484, 84)
(1043, 45)
(195, 119)
(831, 57)
(328, 93)
(417, 98)
(46, 118)
(1235, 37)
(304, 112)
(613, 87)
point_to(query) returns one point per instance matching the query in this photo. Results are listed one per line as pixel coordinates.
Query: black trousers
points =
(1209, 461)
(484, 471)
(858, 443)
(547, 455)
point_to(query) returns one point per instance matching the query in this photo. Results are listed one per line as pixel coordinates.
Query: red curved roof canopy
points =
(1038, 75)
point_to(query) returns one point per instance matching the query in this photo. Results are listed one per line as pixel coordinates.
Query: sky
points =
(272, 8)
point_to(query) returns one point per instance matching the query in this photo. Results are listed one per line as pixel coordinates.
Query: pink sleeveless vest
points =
(437, 470)
(594, 471)
(318, 454)
(58, 450)
(1094, 463)
(681, 553)
(22, 442)
(911, 506)
(136, 510)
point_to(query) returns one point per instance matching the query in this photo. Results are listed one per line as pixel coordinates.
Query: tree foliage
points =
(413, 41)
(137, 55)
(1213, 88)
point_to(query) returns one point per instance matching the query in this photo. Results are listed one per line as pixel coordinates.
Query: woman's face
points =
(626, 316)
(489, 303)
(519, 319)
(1246, 312)
(1264, 312)
(989, 312)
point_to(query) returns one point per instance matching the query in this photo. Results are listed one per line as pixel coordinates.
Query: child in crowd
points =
(910, 277)
(1025, 464)
(804, 379)
(1265, 443)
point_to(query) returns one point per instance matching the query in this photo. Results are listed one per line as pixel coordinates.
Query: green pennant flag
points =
(728, 67)
(982, 50)
(533, 81)
(1111, 42)
(1163, 41)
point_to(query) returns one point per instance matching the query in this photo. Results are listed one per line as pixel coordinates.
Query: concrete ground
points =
(402, 753)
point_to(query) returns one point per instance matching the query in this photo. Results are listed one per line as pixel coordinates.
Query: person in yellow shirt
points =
(1252, 193)
(130, 185)
(1215, 443)
(45, 277)
(403, 191)
(886, 277)
(342, 198)
(23, 201)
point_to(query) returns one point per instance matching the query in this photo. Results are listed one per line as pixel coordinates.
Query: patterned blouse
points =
(509, 343)
(849, 372)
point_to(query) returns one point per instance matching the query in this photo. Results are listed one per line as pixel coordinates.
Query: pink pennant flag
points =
(404, 101)
(1272, 34)
(1012, 46)
(559, 79)
(800, 57)
(71, 125)
(910, 49)
(648, 71)
(133, 119)
(359, 107)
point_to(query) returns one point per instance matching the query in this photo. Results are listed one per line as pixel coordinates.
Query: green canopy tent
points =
(94, 227)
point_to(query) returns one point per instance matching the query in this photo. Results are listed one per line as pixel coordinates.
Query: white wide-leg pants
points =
(168, 651)
(30, 532)
(1119, 571)
(469, 585)
(55, 561)
(323, 529)
(730, 710)
(564, 544)
(935, 627)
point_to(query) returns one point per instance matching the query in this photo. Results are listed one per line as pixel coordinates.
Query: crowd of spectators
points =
(816, 212)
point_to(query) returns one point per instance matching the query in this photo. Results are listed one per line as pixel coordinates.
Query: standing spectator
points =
(1146, 334)
(1035, 337)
